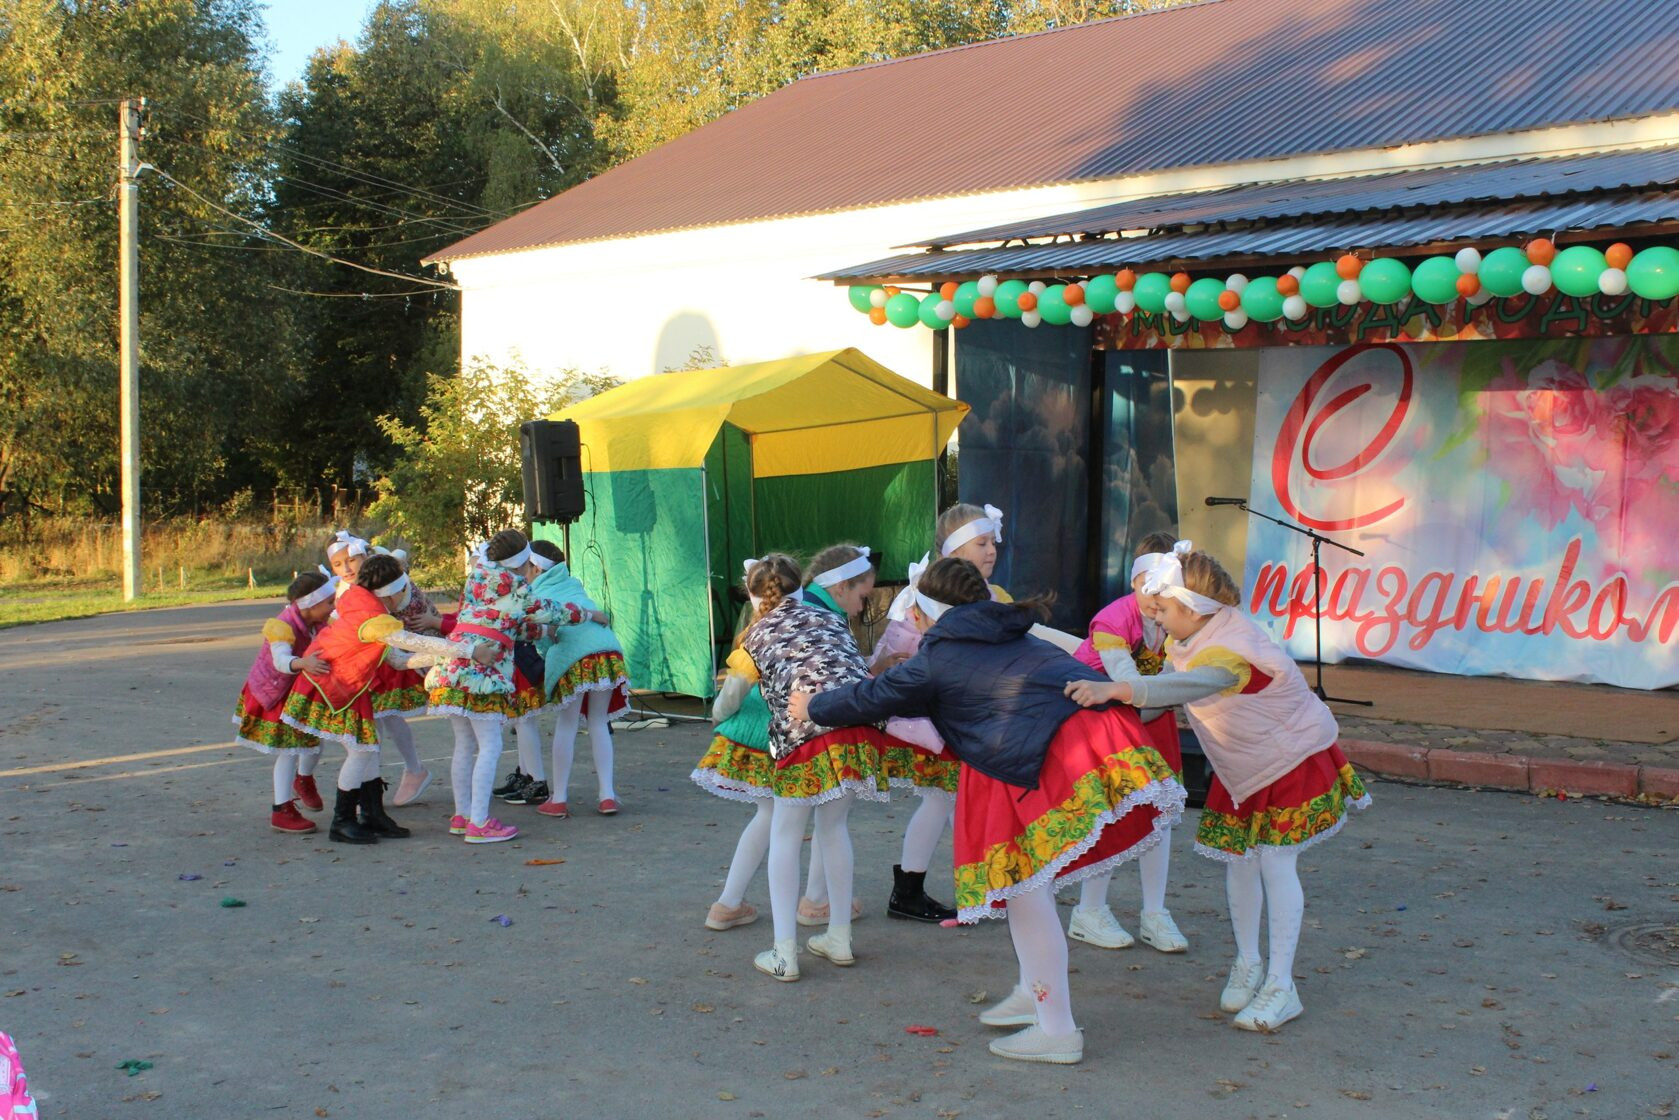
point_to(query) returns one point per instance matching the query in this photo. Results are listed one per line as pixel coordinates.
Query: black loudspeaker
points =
(553, 470)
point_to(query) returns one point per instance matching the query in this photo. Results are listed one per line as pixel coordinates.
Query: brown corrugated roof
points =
(1215, 82)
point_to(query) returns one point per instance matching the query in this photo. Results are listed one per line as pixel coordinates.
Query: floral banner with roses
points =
(1517, 504)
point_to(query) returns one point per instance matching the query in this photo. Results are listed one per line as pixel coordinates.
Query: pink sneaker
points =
(457, 825)
(491, 831)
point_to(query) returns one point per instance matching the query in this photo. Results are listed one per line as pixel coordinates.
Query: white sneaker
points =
(1033, 1045)
(1270, 1009)
(1157, 929)
(1245, 978)
(1017, 1010)
(836, 947)
(1100, 928)
(781, 962)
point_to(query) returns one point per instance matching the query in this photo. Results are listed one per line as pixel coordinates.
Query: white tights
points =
(749, 853)
(287, 766)
(1041, 949)
(1272, 883)
(394, 729)
(600, 743)
(528, 734)
(787, 836)
(359, 766)
(473, 778)
(1153, 865)
(926, 826)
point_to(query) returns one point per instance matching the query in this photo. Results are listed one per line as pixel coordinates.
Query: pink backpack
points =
(15, 1101)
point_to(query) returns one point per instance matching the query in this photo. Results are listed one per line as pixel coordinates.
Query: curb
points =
(1516, 772)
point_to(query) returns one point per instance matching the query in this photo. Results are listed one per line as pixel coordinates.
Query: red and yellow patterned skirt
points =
(595, 672)
(498, 706)
(308, 711)
(399, 692)
(908, 766)
(262, 729)
(1308, 804)
(845, 760)
(735, 771)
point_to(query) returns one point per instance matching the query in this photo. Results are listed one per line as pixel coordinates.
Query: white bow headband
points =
(899, 610)
(346, 539)
(851, 569)
(392, 587)
(991, 523)
(542, 562)
(932, 608)
(517, 560)
(1146, 561)
(320, 595)
(1165, 579)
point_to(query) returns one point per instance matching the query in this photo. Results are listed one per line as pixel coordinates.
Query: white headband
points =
(400, 555)
(517, 560)
(851, 569)
(899, 610)
(1146, 561)
(392, 587)
(1165, 579)
(932, 608)
(320, 595)
(991, 523)
(542, 562)
(345, 539)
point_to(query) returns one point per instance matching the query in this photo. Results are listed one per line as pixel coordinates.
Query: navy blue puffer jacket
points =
(993, 691)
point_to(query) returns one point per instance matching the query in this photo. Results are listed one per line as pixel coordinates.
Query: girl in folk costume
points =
(337, 704)
(800, 646)
(1127, 644)
(584, 675)
(528, 784)
(1280, 783)
(737, 766)
(498, 607)
(400, 693)
(1048, 792)
(310, 600)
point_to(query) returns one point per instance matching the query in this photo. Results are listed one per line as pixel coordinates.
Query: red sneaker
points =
(608, 808)
(554, 809)
(287, 819)
(304, 787)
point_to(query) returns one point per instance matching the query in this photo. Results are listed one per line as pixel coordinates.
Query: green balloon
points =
(1202, 299)
(903, 310)
(1319, 287)
(1576, 269)
(1008, 298)
(966, 293)
(1151, 289)
(1501, 271)
(1385, 280)
(1654, 273)
(1435, 280)
(929, 317)
(1100, 293)
(1052, 305)
(859, 295)
(1262, 301)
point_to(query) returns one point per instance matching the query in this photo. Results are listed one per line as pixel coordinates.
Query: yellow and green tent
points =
(688, 475)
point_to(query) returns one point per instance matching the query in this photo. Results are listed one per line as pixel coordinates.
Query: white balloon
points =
(1236, 319)
(1236, 282)
(1536, 280)
(945, 310)
(1175, 302)
(1125, 302)
(1612, 281)
(1348, 292)
(1030, 318)
(1297, 271)
(988, 285)
(1468, 261)
(877, 298)
(1036, 287)
(1295, 309)
(1181, 316)
(1082, 315)
(1480, 297)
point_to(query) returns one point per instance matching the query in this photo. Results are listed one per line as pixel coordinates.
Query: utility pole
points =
(128, 303)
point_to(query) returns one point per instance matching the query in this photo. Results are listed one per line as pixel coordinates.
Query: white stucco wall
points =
(639, 305)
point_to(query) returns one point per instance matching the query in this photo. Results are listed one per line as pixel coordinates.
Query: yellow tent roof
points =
(807, 415)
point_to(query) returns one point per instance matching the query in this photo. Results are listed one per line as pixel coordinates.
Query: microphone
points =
(1227, 501)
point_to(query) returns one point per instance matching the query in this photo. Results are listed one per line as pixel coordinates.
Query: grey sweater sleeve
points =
(1120, 666)
(1169, 690)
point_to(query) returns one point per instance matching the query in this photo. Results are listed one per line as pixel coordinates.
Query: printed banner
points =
(1517, 504)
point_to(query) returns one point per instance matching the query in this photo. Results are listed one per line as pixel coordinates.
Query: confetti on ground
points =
(542, 862)
(502, 920)
(231, 903)
(189, 878)
(924, 1032)
(134, 1067)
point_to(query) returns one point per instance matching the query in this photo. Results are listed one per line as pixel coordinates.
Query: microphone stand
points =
(1318, 541)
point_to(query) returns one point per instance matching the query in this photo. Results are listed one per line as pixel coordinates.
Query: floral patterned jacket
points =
(803, 648)
(498, 606)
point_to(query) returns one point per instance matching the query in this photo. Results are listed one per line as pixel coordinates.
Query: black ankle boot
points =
(373, 815)
(345, 828)
(909, 898)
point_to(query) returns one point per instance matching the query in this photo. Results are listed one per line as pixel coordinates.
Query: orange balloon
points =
(1180, 282)
(1348, 267)
(877, 316)
(891, 291)
(1229, 300)
(1073, 295)
(1468, 284)
(1541, 251)
(1619, 255)
(960, 321)
(1028, 301)
(1125, 279)
(1288, 285)
(984, 307)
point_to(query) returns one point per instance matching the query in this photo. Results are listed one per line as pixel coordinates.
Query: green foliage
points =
(456, 476)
